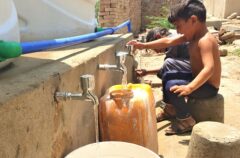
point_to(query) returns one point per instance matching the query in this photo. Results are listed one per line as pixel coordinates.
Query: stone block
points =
(214, 140)
(105, 2)
(112, 13)
(210, 109)
(231, 27)
(113, 5)
(110, 9)
(216, 23)
(109, 17)
(103, 13)
(114, 1)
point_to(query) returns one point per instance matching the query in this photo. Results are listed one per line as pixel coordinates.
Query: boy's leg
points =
(174, 68)
(171, 69)
(174, 75)
(184, 121)
(179, 102)
(176, 65)
(181, 105)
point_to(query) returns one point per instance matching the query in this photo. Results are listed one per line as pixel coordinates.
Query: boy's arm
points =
(143, 72)
(206, 53)
(160, 43)
(165, 42)
(153, 72)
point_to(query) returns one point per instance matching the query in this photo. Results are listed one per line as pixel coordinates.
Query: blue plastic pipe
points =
(28, 47)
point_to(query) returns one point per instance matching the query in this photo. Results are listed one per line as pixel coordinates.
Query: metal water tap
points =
(130, 48)
(87, 85)
(141, 39)
(120, 59)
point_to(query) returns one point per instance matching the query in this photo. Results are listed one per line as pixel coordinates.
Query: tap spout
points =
(93, 98)
(107, 66)
(87, 85)
(120, 59)
(117, 67)
(87, 96)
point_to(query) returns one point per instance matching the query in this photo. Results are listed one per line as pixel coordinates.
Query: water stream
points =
(122, 56)
(124, 77)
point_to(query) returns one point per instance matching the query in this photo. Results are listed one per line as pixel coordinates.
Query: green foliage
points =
(97, 8)
(159, 22)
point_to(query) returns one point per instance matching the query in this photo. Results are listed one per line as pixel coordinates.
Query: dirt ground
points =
(177, 146)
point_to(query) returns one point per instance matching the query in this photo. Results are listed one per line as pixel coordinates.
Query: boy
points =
(189, 17)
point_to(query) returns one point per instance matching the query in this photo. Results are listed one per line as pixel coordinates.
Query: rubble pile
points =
(229, 32)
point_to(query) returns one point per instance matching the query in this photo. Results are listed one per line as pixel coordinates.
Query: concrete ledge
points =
(211, 109)
(32, 123)
(214, 140)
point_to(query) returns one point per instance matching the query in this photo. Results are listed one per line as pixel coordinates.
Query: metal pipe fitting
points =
(87, 85)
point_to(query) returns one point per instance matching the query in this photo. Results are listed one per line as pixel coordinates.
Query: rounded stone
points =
(208, 109)
(212, 139)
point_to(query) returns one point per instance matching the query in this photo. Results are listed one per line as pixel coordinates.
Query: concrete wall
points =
(222, 8)
(32, 123)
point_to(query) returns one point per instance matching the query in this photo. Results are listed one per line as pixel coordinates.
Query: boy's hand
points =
(183, 90)
(136, 44)
(141, 72)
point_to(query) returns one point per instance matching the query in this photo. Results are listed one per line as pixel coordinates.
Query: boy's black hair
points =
(156, 33)
(186, 9)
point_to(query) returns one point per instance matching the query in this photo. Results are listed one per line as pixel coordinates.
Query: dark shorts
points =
(183, 78)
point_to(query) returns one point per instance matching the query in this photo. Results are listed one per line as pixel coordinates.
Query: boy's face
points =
(184, 27)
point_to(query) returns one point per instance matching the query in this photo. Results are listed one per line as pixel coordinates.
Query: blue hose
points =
(28, 47)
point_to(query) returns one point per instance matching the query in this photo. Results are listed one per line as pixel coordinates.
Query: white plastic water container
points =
(9, 30)
(112, 149)
(50, 19)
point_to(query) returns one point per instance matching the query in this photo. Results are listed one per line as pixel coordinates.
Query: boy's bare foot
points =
(181, 126)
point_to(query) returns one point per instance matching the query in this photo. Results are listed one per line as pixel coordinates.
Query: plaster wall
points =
(222, 8)
(32, 123)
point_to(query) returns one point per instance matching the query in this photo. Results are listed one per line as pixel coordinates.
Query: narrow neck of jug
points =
(121, 97)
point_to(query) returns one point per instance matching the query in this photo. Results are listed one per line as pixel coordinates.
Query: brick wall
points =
(114, 12)
(153, 8)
